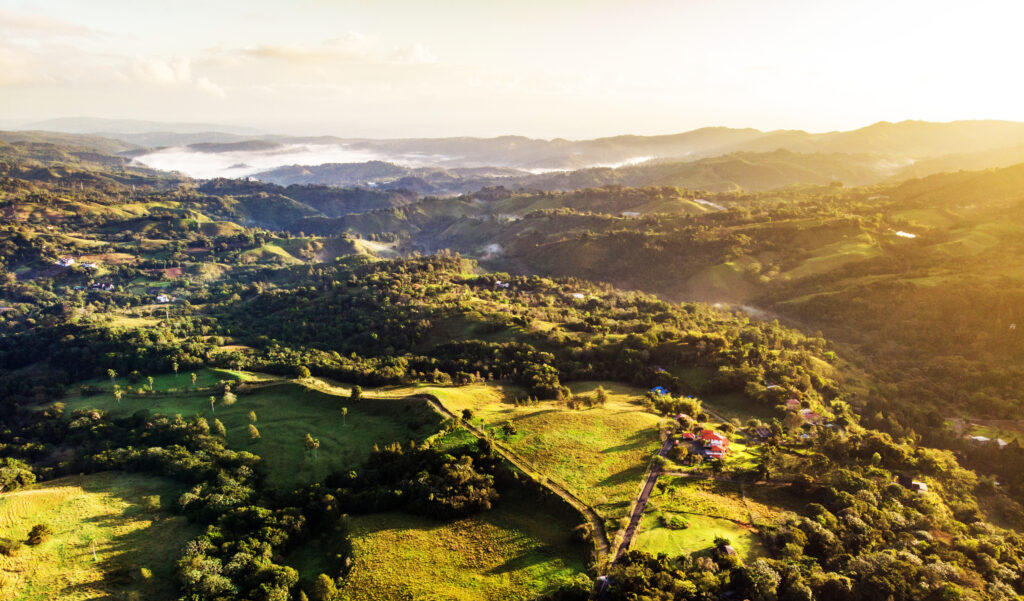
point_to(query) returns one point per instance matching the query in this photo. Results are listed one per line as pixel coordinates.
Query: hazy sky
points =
(539, 68)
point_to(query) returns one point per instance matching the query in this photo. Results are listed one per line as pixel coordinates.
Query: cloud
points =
(27, 25)
(205, 85)
(162, 72)
(414, 54)
(176, 71)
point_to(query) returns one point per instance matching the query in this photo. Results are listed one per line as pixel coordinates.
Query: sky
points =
(555, 68)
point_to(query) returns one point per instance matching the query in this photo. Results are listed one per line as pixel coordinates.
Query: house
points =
(630, 214)
(659, 390)
(90, 265)
(911, 484)
(683, 418)
(715, 440)
(981, 439)
(689, 436)
(163, 298)
(792, 404)
(66, 261)
(578, 295)
(811, 417)
(762, 433)
(713, 454)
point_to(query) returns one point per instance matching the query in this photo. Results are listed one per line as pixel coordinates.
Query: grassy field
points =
(171, 382)
(102, 509)
(285, 413)
(712, 508)
(653, 537)
(600, 453)
(511, 552)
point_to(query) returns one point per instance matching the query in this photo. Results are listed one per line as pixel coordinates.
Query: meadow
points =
(111, 514)
(285, 413)
(511, 552)
(599, 453)
(711, 508)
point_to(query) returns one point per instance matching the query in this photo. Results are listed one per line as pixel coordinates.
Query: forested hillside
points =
(350, 394)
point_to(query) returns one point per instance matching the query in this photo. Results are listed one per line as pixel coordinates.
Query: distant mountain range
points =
(713, 158)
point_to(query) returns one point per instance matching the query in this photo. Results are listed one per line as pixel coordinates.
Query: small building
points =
(578, 295)
(714, 454)
(689, 436)
(90, 266)
(66, 261)
(911, 484)
(659, 390)
(714, 440)
(163, 298)
(980, 439)
(762, 433)
(793, 404)
(811, 417)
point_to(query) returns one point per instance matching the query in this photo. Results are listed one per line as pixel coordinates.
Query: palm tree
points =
(213, 400)
(111, 374)
(344, 415)
(252, 416)
(117, 394)
(174, 366)
(149, 380)
(194, 377)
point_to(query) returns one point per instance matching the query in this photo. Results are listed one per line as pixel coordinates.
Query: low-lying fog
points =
(241, 163)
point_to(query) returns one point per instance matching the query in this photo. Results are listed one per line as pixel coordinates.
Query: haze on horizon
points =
(576, 69)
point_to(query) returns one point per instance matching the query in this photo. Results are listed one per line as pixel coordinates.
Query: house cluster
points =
(164, 298)
(102, 286)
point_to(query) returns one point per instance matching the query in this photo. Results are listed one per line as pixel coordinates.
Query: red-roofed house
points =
(792, 404)
(714, 439)
(811, 417)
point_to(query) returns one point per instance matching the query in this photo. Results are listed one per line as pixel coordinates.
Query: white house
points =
(163, 298)
(66, 261)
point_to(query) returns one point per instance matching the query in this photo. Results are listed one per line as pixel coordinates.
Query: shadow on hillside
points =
(123, 557)
(638, 439)
(526, 559)
(630, 474)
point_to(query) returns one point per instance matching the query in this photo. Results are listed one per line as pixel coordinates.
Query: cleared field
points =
(599, 453)
(104, 512)
(510, 552)
(711, 508)
(833, 256)
(698, 537)
(285, 413)
(182, 381)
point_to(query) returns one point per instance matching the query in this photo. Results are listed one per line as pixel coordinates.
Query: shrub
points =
(9, 547)
(675, 522)
(39, 534)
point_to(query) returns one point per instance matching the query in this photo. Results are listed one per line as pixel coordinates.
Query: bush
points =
(9, 547)
(151, 503)
(39, 534)
(675, 522)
